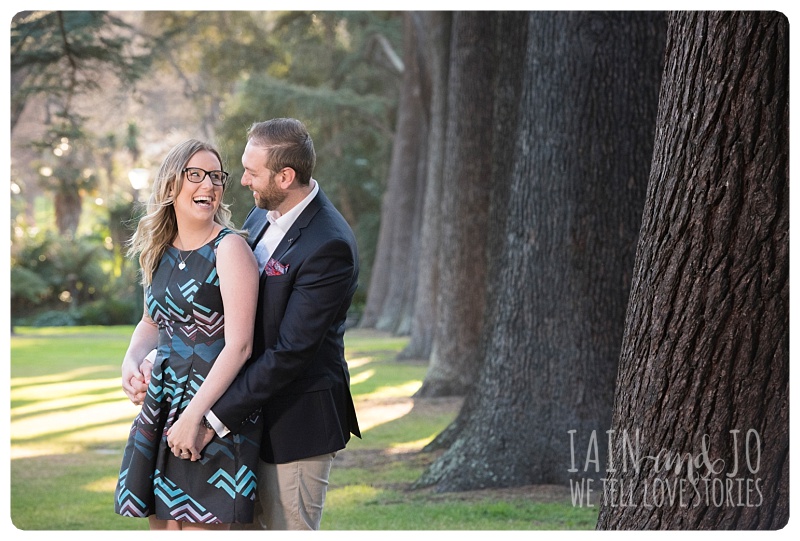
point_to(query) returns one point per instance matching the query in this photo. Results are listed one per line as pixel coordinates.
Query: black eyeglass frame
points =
(205, 174)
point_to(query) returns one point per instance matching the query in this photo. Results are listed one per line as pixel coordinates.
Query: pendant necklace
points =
(182, 264)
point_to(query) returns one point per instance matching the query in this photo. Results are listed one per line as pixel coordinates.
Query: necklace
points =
(182, 264)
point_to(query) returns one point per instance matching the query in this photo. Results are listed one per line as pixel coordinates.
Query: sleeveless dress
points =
(221, 487)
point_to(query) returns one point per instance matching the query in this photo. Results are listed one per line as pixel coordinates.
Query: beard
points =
(270, 197)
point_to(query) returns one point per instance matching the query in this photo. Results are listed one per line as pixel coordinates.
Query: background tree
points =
(435, 36)
(466, 190)
(63, 54)
(391, 291)
(510, 43)
(706, 348)
(585, 133)
(206, 54)
(66, 154)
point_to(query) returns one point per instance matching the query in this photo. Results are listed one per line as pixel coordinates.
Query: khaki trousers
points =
(291, 495)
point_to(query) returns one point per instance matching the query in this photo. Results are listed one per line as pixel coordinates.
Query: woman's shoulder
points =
(234, 254)
(230, 240)
(226, 233)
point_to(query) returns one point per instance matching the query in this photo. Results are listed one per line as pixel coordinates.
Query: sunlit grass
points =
(70, 421)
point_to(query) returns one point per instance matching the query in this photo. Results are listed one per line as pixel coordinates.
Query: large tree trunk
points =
(580, 172)
(393, 279)
(511, 42)
(704, 371)
(466, 191)
(436, 35)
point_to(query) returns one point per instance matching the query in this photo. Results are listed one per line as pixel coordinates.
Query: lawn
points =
(70, 420)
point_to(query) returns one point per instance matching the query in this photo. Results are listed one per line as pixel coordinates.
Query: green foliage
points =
(67, 283)
(55, 318)
(110, 312)
(64, 53)
(27, 286)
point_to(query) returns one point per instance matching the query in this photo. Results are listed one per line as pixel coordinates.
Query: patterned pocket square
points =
(275, 268)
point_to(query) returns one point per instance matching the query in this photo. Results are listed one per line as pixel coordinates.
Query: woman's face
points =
(199, 201)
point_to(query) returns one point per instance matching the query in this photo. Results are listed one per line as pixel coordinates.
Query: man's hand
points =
(204, 437)
(140, 390)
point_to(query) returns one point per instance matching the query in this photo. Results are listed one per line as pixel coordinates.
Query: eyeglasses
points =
(195, 174)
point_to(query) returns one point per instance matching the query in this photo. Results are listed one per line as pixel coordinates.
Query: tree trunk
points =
(467, 185)
(393, 280)
(704, 370)
(580, 167)
(511, 41)
(67, 203)
(436, 32)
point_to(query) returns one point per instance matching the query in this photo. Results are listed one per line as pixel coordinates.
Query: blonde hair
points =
(159, 226)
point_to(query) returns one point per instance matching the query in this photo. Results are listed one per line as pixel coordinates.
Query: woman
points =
(201, 283)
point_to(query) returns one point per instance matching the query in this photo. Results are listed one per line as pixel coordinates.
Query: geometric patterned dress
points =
(221, 487)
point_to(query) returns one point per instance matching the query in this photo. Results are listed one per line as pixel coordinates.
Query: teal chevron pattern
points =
(216, 448)
(244, 483)
(188, 290)
(129, 505)
(186, 304)
(181, 505)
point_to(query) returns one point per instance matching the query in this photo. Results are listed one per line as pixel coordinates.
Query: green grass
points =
(368, 508)
(70, 420)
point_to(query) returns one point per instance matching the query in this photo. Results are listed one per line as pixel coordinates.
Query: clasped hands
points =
(187, 437)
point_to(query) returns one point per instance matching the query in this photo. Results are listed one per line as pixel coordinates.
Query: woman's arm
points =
(238, 279)
(143, 340)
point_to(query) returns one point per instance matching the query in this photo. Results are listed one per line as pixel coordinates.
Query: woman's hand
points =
(182, 438)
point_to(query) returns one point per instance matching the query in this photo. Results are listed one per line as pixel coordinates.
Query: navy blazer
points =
(297, 374)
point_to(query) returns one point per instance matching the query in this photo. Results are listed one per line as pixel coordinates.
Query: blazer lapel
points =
(255, 224)
(302, 221)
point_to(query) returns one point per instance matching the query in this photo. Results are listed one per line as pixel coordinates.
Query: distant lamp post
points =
(138, 177)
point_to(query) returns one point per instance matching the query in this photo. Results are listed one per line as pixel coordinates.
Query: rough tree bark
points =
(511, 41)
(580, 172)
(704, 370)
(435, 34)
(392, 285)
(455, 356)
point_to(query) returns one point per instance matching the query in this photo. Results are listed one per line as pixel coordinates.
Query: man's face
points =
(260, 180)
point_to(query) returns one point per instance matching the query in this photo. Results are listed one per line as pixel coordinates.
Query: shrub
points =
(110, 312)
(55, 318)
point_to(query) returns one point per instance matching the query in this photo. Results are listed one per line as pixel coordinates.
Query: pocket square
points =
(275, 268)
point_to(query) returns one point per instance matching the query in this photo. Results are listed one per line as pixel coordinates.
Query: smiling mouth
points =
(203, 201)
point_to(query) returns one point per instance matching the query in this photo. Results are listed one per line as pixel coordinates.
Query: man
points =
(297, 375)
